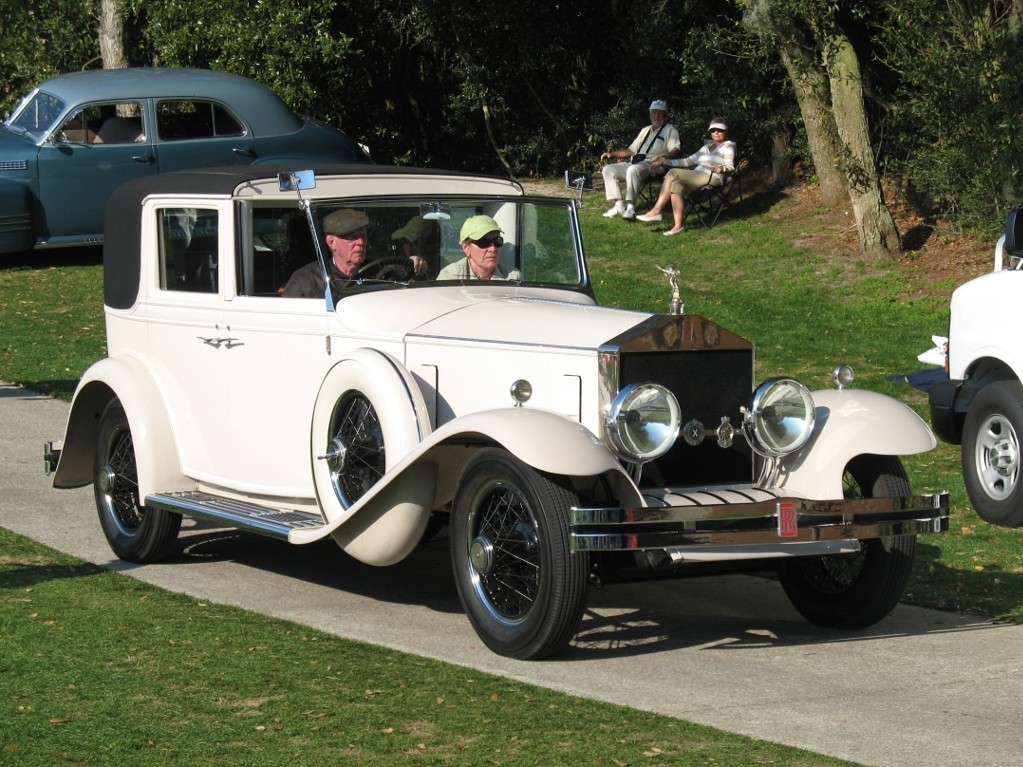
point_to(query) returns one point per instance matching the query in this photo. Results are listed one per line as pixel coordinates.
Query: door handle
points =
(244, 151)
(147, 159)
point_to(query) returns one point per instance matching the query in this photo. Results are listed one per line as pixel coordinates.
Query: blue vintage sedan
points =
(78, 136)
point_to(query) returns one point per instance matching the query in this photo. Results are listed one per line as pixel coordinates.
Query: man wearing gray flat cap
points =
(659, 139)
(345, 232)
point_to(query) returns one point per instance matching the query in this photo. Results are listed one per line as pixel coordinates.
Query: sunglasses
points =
(486, 242)
(717, 130)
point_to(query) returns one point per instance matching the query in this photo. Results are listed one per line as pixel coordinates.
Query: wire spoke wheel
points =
(522, 587)
(135, 533)
(850, 591)
(504, 552)
(120, 487)
(355, 455)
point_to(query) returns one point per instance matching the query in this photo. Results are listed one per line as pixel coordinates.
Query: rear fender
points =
(849, 423)
(156, 454)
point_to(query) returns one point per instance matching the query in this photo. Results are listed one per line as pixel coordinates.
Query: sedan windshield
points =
(37, 114)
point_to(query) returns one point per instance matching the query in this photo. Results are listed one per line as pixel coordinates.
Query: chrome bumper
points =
(778, 521)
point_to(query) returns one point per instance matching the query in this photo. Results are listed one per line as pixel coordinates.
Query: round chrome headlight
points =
(781, 418)
(643, 422)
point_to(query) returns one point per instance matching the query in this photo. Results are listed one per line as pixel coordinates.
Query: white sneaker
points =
(616, 210)
(630, 213)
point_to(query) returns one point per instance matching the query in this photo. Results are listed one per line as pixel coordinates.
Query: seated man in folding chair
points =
(705, 167)
(658, 139)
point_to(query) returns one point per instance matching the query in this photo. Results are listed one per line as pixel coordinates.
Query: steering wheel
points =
(391, 268)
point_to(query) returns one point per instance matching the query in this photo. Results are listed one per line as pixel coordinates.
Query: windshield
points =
(418, 242)
(37, 114)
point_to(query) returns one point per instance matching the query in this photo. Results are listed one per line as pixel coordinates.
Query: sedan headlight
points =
(781, 418)
(643, 422)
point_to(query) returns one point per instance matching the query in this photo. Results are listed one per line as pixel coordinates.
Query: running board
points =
(265, 520)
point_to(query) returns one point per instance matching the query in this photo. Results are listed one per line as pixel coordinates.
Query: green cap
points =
(415, 229)
(478, 227)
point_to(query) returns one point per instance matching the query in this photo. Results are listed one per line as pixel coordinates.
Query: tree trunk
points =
(781, 166)
(810, 84)
(111, 34)
(879, 236)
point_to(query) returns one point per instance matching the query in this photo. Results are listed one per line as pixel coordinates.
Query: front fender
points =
(16, 230)
(547, 441)
(156, 454)
(849, 423)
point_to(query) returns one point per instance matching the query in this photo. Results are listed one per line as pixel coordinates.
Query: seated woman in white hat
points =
(708, 165)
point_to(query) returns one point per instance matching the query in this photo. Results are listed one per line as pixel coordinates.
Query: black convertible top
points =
(123, 223)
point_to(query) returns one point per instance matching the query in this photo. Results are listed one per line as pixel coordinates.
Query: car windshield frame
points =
(37, 114)
(542, 241)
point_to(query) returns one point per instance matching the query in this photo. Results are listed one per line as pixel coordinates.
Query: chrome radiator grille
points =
(709, 384)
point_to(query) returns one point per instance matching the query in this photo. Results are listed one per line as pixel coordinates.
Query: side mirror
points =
(296, 180)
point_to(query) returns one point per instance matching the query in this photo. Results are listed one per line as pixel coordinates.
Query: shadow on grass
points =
(52, 258)
(989, 590)
(28, 574)
(60, 388)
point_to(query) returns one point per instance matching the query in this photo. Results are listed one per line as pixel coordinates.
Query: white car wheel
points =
(991, 453)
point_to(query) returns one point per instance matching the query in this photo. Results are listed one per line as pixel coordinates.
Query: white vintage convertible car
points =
(563, 443)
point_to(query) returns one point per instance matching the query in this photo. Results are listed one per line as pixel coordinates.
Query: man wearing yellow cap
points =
(481, 242)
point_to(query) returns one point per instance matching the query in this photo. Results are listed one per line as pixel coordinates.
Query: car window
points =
(189, 250)
(178, 120)
(118, 122)
(37, 113)
(281, 244)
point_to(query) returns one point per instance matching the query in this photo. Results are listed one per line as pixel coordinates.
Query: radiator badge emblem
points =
(693, 432)
(726, 432)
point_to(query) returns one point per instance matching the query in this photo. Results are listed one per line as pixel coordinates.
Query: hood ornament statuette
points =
(675, 304)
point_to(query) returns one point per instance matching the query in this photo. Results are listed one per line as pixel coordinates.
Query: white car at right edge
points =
(981, 405)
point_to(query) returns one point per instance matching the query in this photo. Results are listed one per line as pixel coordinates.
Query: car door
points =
(96, 149)
(273, 368)
(197, 133)
(185, 332)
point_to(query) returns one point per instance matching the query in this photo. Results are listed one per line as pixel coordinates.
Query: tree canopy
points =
(533, 87)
